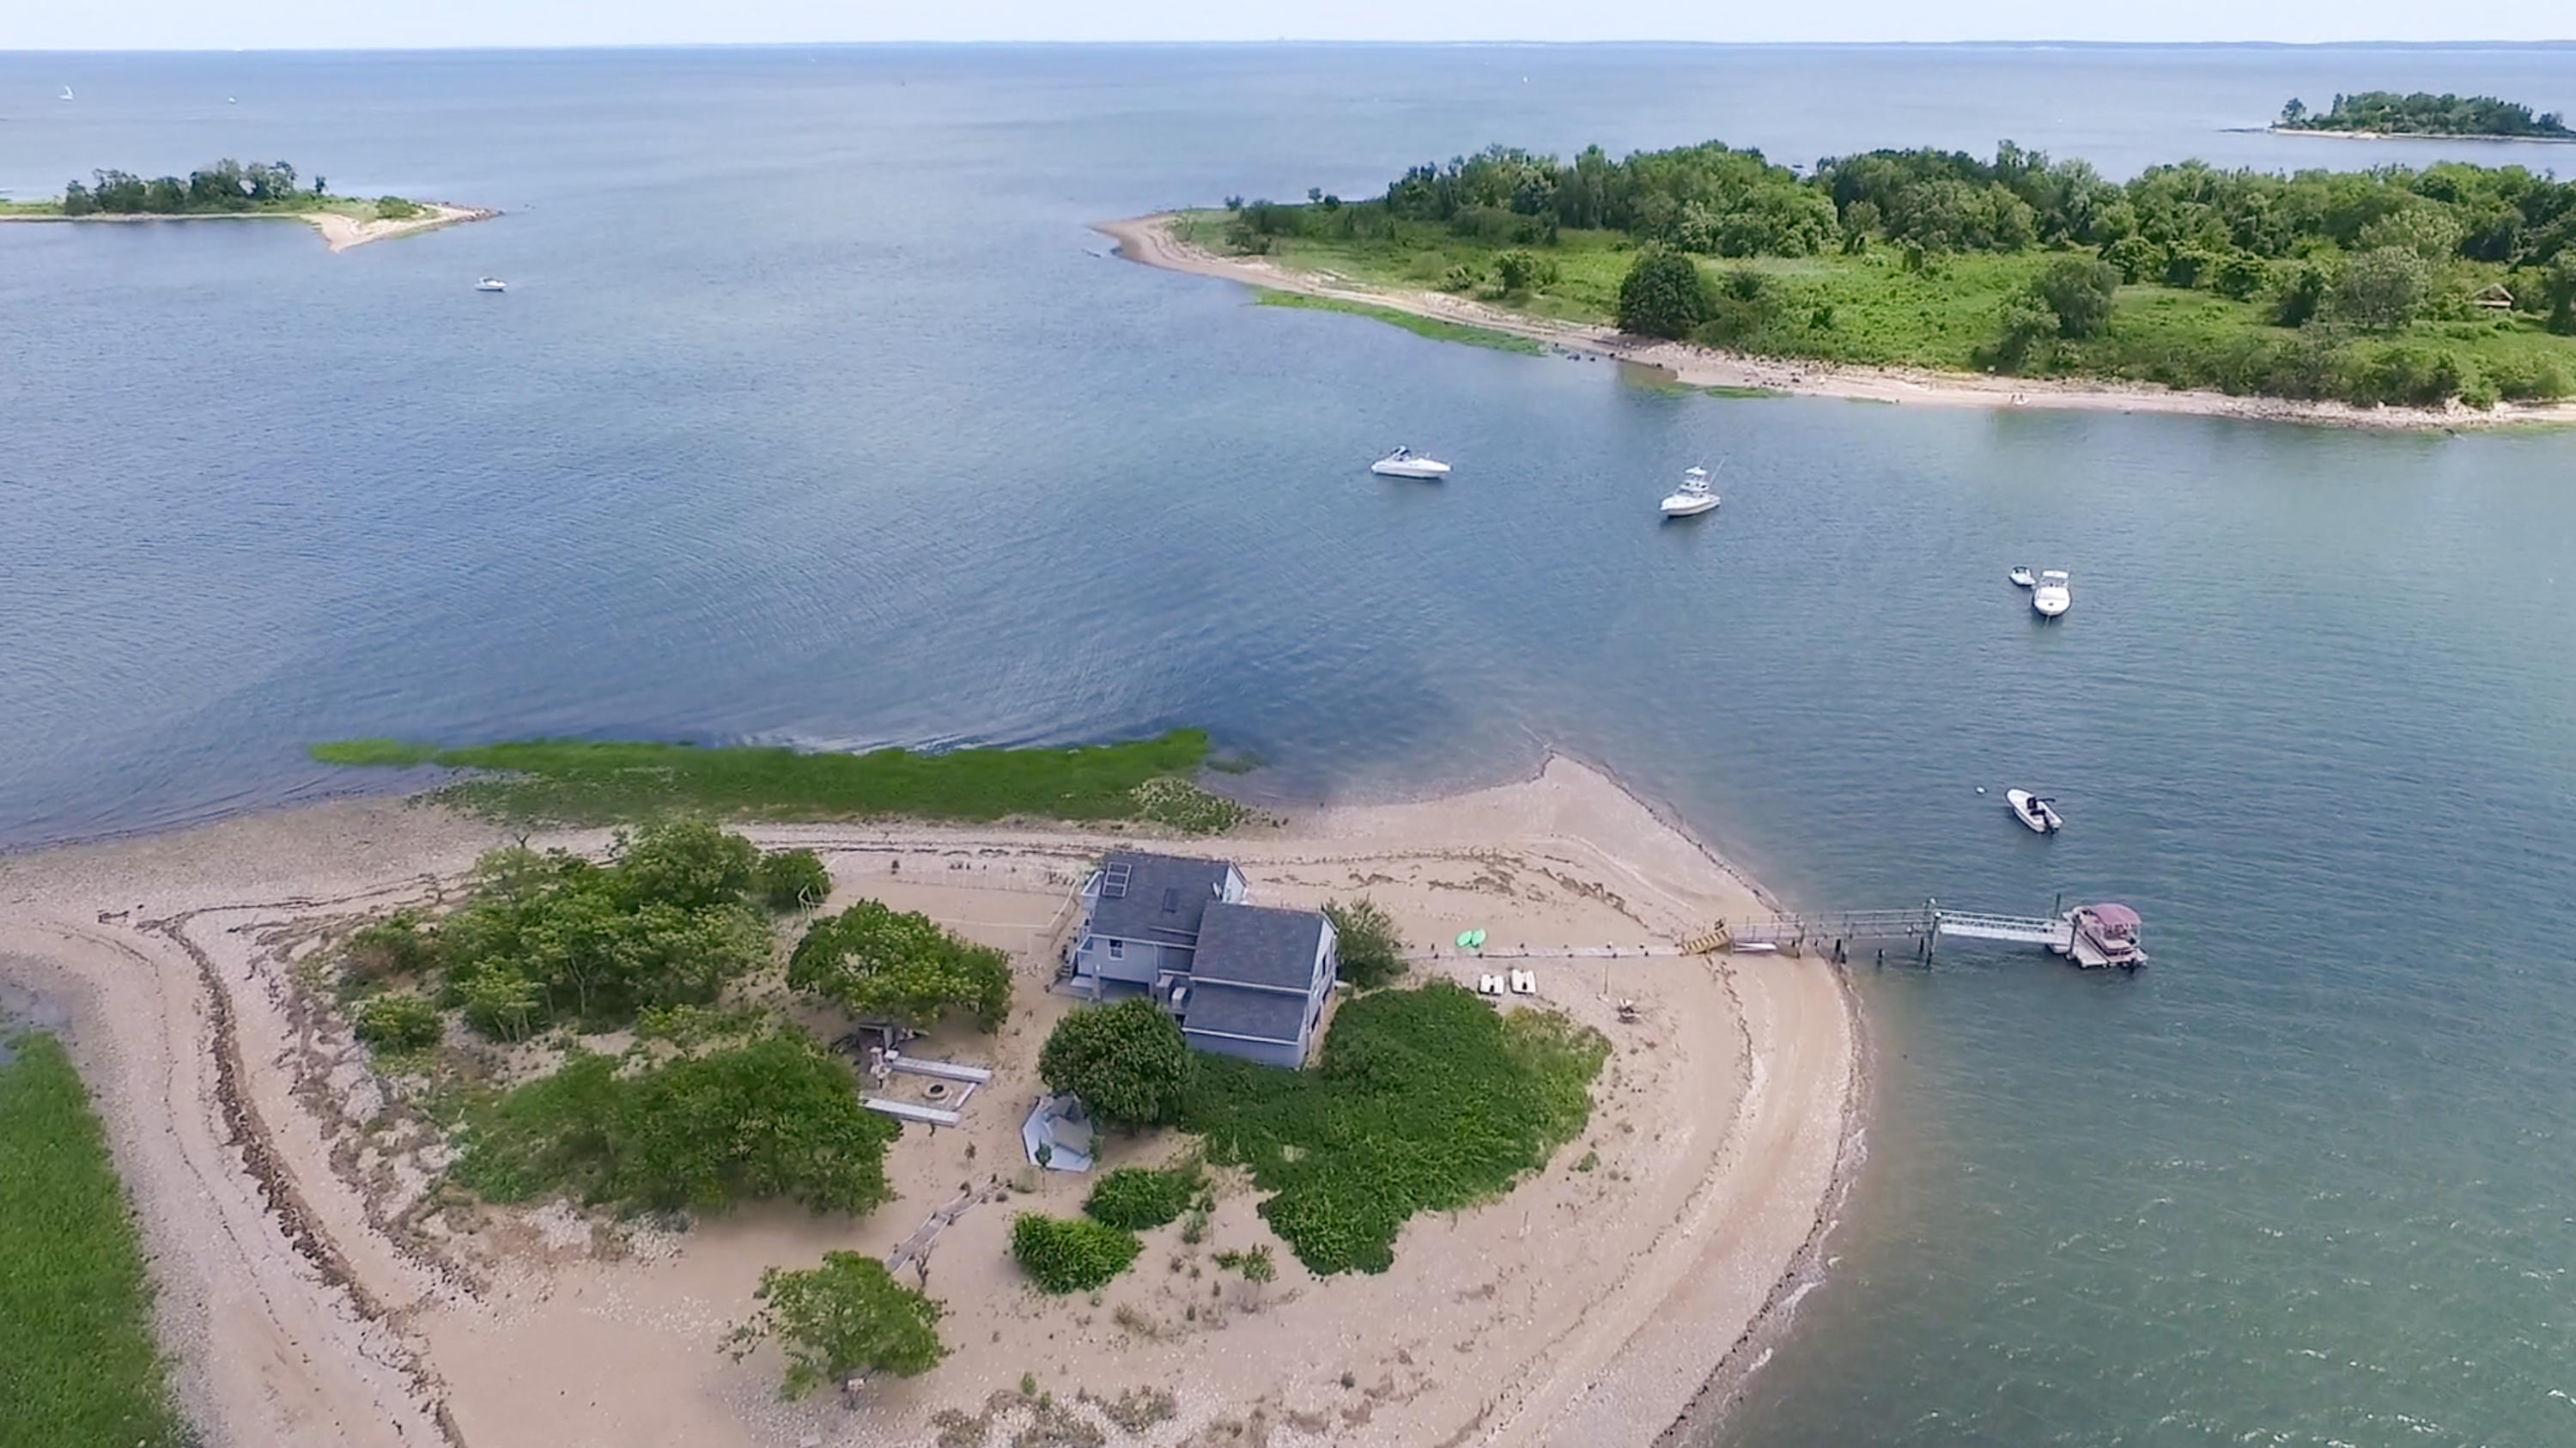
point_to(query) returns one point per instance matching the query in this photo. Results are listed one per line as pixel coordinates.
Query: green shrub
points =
(1070, 1254)
(2138, 259)
(400, 1022)
(1126, 1062)
(1370, 951)
(846, 1316)
(1461, 278)
(1254, 1263)
(394, 208)
(878, 963)
(2529, 378)
(2383, 289)
(1136, 1198)
(393, 946)
(2240, 276)
(1518, 270)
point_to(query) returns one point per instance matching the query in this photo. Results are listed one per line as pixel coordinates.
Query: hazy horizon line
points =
(2566, 43)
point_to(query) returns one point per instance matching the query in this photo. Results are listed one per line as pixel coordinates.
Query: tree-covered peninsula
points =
(2389, 286)
(226, 188)
(2386, 113)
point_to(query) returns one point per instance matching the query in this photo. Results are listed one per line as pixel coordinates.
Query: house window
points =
(1118, 950)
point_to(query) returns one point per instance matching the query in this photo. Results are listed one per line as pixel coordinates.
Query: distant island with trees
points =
(2391, 286)
(230, 188)
(2386, 113)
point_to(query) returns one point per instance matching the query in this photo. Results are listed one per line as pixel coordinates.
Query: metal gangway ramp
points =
(1925, 924)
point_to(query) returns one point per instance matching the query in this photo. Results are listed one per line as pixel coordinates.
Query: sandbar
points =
(339, 232)
(314, 1290)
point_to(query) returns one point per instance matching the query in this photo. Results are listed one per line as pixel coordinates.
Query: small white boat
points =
(2051, 597)
(1404, 462)
(2040, 814)
(66, 95)
(491, 284)
(1694, 497)
(2023, 578)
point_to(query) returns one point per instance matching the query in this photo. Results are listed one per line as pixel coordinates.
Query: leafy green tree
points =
(1070, 1254)
(2027, 333)
(399, 1022)
(2137, 258)
(1663, 295)
(2241, 275)
(1127, 1062)
(1371, 951)
(687, 863)
(2558, 293)
(778, 1117)
(2302, 294)
(876, 962)
(1462, 277)
(2078, 292)
(793, 880)
(2383, 289)
(393, 946)
(847, 1316)
(2430, 230)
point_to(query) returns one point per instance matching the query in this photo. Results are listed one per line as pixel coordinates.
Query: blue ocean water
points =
(815, 413)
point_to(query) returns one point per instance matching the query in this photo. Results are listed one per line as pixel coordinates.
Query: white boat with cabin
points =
(2033, 810)
(2023, 578)
(1693, 498)
(2051, 597)
(491, 284)
(1406, 463)
(2102, 935)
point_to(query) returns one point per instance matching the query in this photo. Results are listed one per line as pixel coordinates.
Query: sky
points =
(372, 24)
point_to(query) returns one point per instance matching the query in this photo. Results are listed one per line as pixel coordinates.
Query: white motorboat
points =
(2051, 597)
(2040, 814)
(1404, 462)
(491, 284)
(1693, 498)
(2023, 578)
(66, 95)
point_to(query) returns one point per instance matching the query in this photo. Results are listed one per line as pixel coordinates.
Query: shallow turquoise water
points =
(815, 414)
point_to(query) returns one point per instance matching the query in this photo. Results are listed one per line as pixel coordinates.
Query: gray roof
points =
(1257, 945)
(1158, 897)
(1227, 1010)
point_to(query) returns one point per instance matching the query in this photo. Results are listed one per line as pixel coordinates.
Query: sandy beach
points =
(319, 1285)
(338, 232)
(1150, 240)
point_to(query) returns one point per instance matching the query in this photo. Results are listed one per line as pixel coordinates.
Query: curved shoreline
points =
(1648, 1292)
(1149, 240)
(339, 232)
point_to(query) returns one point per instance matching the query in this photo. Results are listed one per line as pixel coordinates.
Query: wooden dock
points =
(1834, 932)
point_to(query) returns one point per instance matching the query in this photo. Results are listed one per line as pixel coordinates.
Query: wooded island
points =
(2386, 113)
(2390, 286)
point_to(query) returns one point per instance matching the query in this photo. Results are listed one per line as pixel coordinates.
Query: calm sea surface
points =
(815, 414)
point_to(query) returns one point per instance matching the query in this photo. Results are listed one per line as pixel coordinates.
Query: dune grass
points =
(1426, 1100)
(1431, 327)
(588, 782)
(82, 1368)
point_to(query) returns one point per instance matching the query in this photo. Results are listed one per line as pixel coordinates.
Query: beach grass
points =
(83, 1370)
(1431, 327)
(573, 781)
(1426, 1100)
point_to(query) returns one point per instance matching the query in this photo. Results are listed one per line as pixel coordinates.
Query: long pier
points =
(1926, 925)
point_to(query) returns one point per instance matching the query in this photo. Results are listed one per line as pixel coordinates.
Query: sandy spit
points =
(315, 1288)
(1150, 240)
(339, 232)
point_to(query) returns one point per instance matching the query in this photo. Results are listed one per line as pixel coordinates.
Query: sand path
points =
(1150, 240)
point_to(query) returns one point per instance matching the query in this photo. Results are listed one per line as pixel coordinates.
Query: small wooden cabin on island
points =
(1243, 980)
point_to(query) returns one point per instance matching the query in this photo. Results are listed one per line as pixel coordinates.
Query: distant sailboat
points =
(66, 95)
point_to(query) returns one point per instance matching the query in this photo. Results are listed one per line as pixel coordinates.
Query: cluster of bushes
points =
(1708, 198)
(1071, 1254)
(1137, 1198)
(1370, 949)
(883, 964)
(1424, 1100)
(551, 937)
(773, 1117)
(227, 185)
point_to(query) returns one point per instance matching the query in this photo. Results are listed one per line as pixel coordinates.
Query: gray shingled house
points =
(1243, 980)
